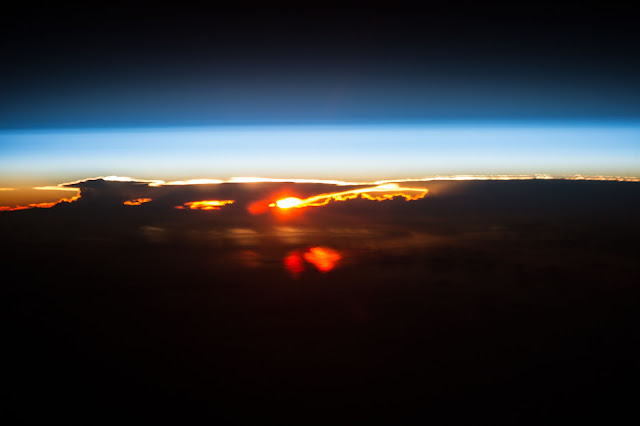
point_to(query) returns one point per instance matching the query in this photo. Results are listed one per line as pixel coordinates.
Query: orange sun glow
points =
(287, 203)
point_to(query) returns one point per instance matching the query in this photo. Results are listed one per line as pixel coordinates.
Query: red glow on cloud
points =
(294, 263)
(258, 207)
(323, 258)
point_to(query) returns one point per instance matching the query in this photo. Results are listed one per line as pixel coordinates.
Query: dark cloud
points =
(450, 207)
(513, 299)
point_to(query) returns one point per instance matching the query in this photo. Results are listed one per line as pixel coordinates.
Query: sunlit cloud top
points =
(376, 193)
(287, 197)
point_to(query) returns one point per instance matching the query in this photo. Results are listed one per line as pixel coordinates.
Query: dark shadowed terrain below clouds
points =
(495, 302)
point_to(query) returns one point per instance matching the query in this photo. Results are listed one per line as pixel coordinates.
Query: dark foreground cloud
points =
(126, 209)
(516, 300)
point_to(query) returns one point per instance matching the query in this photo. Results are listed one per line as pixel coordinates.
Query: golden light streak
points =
(376, 193)
(206, 204)
(7, 189)
(137, 201)
(12, 209)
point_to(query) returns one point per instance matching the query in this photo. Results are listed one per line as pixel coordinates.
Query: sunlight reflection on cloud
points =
(324, 259)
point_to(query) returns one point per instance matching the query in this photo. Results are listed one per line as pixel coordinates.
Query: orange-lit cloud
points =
(376, 193)
(206, 204)
(137, 201)
(41, 205)
(11, 209)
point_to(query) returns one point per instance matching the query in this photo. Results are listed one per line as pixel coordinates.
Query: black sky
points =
(177, 64)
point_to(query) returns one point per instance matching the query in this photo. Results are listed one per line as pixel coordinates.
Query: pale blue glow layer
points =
(368, 152)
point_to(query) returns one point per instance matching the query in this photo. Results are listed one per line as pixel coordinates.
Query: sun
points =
(287, 203)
